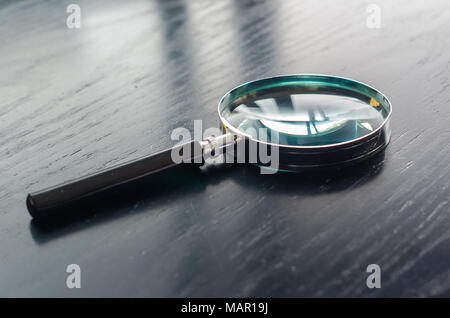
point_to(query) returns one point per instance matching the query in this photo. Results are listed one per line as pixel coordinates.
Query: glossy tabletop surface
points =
(74, 101)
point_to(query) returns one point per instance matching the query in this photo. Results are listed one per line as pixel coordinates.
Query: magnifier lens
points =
(305, 110)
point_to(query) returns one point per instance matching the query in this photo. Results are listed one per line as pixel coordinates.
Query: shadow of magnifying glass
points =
(184, 181)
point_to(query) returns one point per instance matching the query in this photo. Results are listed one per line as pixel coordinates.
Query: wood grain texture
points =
(76, 101)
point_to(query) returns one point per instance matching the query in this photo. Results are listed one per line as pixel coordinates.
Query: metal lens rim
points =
(304, 79)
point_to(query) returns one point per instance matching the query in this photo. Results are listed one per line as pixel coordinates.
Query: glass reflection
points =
(305, 118)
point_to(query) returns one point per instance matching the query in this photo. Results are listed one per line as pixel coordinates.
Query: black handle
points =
(43, 203)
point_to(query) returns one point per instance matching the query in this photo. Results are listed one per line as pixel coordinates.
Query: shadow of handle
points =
(50, 202)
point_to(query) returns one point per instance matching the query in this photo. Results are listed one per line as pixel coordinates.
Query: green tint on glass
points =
(305, 110)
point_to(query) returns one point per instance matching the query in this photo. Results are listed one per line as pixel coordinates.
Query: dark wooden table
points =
(74, 101)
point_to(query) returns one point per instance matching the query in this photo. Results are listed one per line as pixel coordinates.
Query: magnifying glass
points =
(309, 121)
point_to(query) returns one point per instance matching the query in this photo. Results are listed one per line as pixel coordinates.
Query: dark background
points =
(73, 101)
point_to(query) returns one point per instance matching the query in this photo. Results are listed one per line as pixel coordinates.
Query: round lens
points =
(304, 110)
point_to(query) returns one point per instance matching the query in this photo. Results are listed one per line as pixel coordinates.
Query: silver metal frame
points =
(301, 157)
